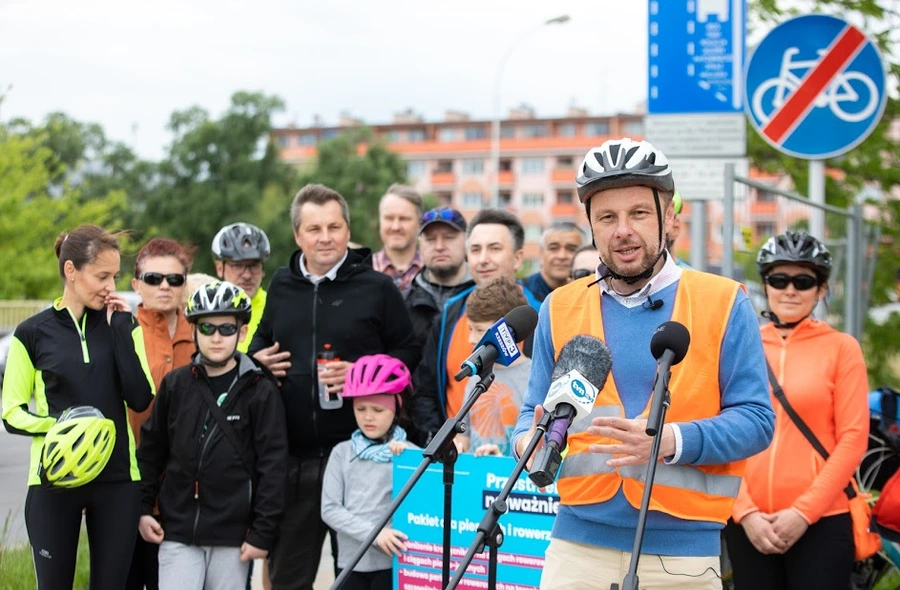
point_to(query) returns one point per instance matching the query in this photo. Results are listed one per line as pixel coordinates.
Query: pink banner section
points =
(419, 580)
(459, 552)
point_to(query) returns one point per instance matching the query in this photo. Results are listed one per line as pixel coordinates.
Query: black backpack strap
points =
(227, 430)
(802, 426)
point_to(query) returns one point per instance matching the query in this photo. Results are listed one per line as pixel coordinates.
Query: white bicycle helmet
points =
(620, 163)
(217, 298)
(623, 162)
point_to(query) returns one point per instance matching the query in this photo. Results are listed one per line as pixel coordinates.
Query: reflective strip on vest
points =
(687, 478)
(677, 476)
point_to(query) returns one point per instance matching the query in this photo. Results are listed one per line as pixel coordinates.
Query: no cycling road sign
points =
(815, 87)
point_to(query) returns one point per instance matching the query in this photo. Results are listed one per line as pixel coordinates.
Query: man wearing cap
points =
(720, 412)
(398, 225)
(442, 244)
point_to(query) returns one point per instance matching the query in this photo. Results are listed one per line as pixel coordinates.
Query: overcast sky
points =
(128, 65)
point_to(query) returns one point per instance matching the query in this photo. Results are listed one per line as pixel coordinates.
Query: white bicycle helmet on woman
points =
(626, 162)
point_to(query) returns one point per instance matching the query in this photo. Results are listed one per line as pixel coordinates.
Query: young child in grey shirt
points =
(358, 484)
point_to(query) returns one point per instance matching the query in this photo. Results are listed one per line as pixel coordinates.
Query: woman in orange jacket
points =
(160, 272)
(791, 528)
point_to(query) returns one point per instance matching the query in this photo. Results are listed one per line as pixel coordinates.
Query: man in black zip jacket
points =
(327, 298)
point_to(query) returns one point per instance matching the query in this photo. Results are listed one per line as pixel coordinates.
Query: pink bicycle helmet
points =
(376, 374)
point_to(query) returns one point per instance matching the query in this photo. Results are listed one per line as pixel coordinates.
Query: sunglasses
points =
(156, 278)
(580, 273)
(444, 214)
(208, 329)
(800, 282)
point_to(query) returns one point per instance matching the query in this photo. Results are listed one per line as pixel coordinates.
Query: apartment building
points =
(451, 159)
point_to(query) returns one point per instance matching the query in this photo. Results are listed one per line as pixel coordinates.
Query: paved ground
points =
(323, 580)
(13, 475)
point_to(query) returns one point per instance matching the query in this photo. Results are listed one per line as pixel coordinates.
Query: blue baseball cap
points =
(445, 215)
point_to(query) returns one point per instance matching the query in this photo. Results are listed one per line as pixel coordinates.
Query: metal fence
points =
(747, 223)
(13, 312)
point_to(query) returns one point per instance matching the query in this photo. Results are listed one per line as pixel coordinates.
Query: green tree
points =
(216, 171)
(35, 215)
(354, 165)
(874, 161)
(80, 155)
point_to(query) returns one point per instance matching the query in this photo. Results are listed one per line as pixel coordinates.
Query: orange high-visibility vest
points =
(703, 304)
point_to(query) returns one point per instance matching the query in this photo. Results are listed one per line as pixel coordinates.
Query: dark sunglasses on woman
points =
(801, 282)
(155, 279)
(208, 329)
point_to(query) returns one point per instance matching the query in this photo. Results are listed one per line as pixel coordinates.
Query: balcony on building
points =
(442, 175)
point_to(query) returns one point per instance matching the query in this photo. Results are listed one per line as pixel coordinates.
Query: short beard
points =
(444, 274)
(647, 261)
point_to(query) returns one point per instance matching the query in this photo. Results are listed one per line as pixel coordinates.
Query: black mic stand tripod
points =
(440, 449)
(655, 421)
(489, 533)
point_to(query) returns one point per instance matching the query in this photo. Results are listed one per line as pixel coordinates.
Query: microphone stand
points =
(655, 422)
(441, 448)
(489, 532)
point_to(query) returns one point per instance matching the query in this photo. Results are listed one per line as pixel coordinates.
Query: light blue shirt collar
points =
(667, 275)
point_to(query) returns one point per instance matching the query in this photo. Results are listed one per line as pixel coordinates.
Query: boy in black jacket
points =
(217, 437)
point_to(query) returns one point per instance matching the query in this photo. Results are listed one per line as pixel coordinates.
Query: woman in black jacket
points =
(85, 350)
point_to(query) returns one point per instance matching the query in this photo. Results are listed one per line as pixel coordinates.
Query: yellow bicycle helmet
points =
(678, 201)
(78, 447)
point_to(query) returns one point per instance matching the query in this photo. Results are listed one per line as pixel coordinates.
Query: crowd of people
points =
(221, 422)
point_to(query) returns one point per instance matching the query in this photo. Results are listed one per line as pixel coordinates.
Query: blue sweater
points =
(743, 428)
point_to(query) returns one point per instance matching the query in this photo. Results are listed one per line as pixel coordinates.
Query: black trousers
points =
(380, 580)
(822, 559)
(144, 572)
(294, 560)
(53, 520)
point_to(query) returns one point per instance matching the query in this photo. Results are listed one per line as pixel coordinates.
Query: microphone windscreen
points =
(672, 336)
(521, 321)
(587, 355)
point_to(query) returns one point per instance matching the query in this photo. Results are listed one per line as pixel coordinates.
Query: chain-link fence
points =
(773, 209)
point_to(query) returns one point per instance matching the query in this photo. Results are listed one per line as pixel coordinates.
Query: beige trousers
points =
(573, 566)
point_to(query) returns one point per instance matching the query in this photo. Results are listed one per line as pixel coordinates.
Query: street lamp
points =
(495, 124)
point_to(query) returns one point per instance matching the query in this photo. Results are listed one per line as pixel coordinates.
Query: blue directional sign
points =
(815, 87)
(696, 51)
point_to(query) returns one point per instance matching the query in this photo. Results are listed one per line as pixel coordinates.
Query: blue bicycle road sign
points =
(815, 87)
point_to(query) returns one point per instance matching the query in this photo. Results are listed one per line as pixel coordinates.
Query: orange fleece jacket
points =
(164, 353)
(823, 375)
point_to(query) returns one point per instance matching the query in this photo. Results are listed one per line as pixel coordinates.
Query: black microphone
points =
(669, 345)
(651, 304)
(499, 342)
(580, 373)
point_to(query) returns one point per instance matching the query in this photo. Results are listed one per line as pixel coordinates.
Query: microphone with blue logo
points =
(580, 373)
(498, 345)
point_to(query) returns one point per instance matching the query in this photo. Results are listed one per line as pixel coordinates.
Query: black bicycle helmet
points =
(794, 247)
(241, 241)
